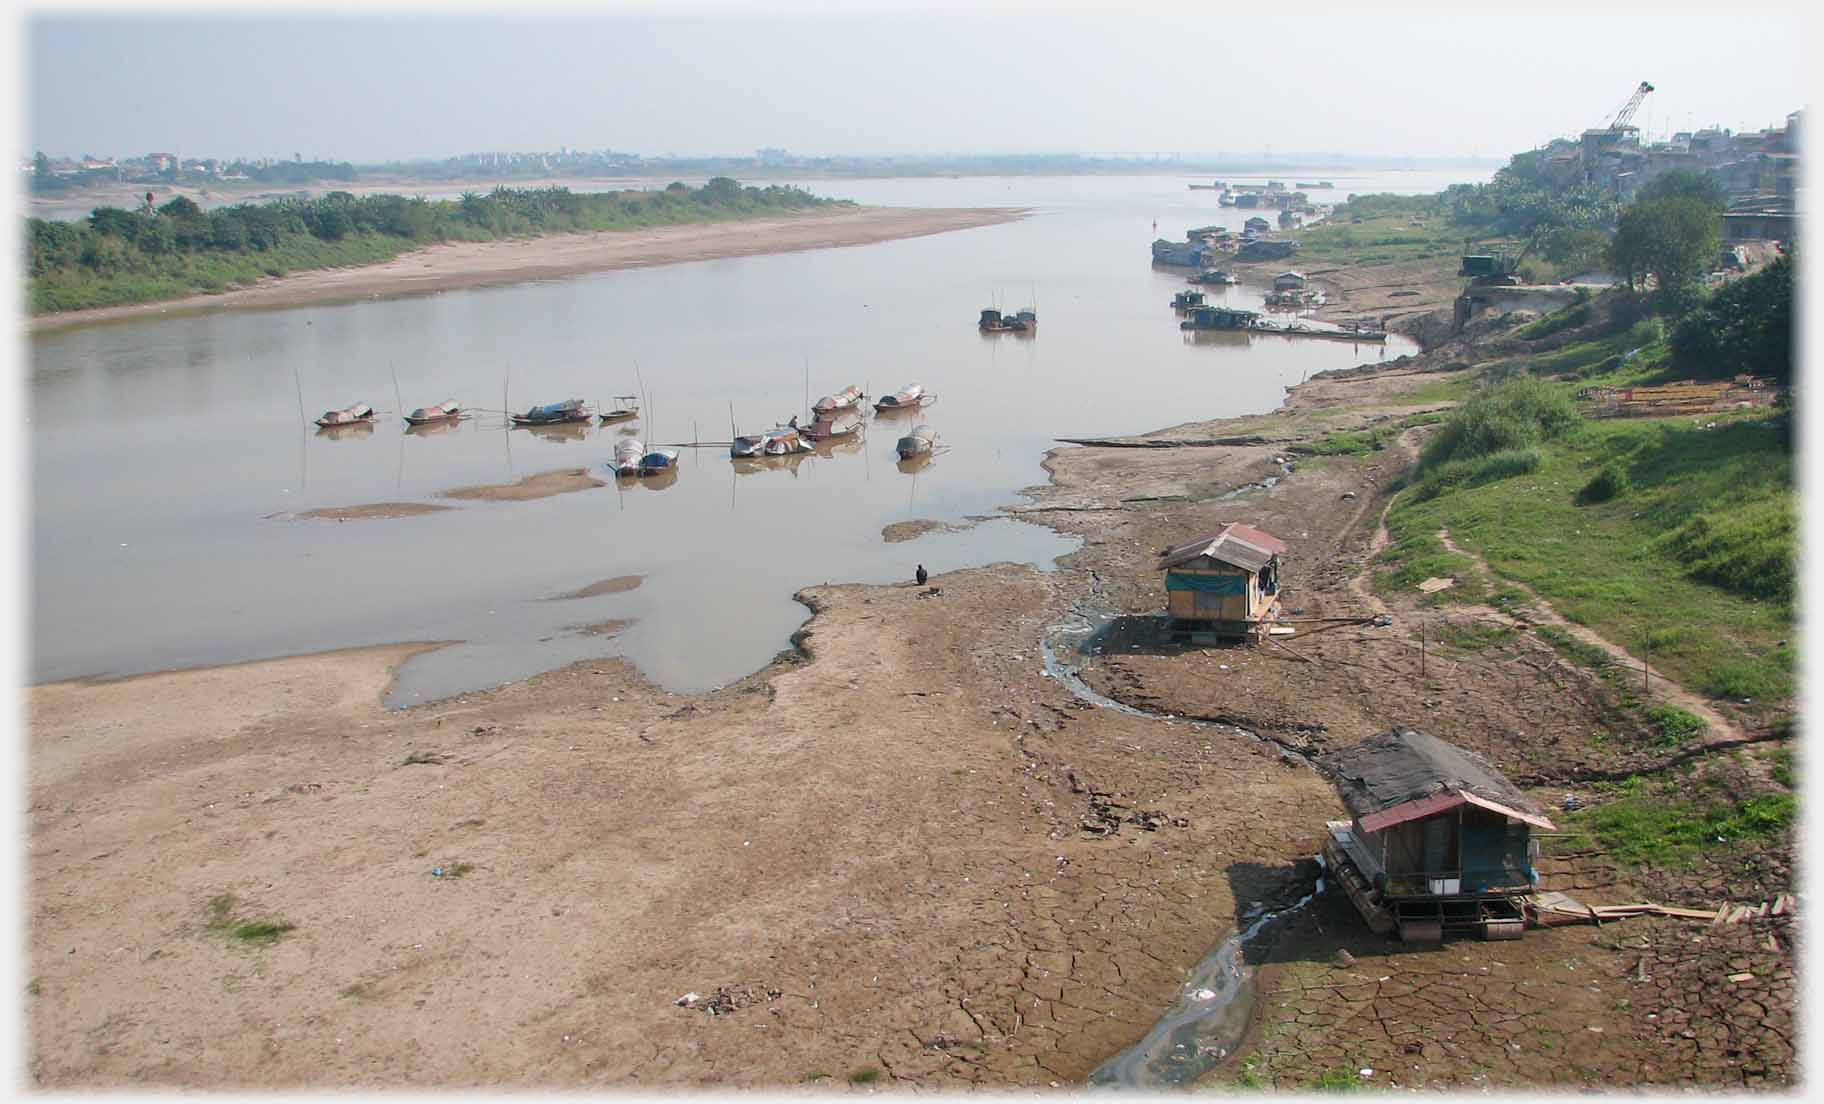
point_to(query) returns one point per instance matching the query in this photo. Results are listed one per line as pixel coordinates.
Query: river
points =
(168, 456)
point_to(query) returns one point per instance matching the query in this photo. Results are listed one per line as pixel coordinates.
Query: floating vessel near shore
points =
(625, 407)
(348, 415)
(1213, 276)
(570, 410)
(910, 397)
(1246, 321)
(993, 321)
(627, 454)
(844, 399)
(656, 461)
(778, 441)
(920, 442)
(442, 412)
(1185, 300)
(832, 425)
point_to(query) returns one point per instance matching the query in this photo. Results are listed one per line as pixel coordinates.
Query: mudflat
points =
(451, 265)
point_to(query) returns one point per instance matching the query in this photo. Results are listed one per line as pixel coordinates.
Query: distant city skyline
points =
(1436, 84)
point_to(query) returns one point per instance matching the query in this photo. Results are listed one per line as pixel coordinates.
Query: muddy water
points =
(169, 459)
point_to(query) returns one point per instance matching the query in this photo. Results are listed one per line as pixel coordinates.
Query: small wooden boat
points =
(570, 410)
(778, 441)
(625, 407)
(1214, 276)
(442, 412)
(627, 454)
(910, 397)
(1185, 300)
(658, 460)
(842, 400)
(832, 425)
(920, 442)
(348, 415)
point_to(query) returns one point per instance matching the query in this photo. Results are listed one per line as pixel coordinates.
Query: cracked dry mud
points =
(887, 832)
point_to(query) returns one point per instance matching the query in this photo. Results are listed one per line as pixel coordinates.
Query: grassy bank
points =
(1673, 537)
(117, 257)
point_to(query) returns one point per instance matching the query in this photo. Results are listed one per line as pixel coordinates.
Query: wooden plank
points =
(1684, 913)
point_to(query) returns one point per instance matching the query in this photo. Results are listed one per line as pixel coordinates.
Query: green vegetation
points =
(1338, 1080)
(423, 758)
(1471, 636)
(867, 1075)
(1660, 828)
(1248, 1074)
(1702, 543)
(256, 932)
(1745, 326)
(1576, 314)
(1673, 240)
(119, 256)
(1674, 725)
(1506, 419)
(1606, 484)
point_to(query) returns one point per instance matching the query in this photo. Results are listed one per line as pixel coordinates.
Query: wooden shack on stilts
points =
(1225, 584)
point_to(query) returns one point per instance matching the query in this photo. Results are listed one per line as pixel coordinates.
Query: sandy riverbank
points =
(900, 853)
(452, 265)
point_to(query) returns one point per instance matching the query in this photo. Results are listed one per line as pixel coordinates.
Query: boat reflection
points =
(912, 465)
(562, 431)
(838, 446)
(754, 465)
(1229, 338)
(352, 429)
(432, 429)
(656, 481)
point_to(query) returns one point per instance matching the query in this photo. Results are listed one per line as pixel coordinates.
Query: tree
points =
(1744, 327)
(181, 207)
(1673, 240)
(1685, 184)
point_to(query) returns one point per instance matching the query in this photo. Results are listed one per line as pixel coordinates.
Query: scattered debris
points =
(1435, 584)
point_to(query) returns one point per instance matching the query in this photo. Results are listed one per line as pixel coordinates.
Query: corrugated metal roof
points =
(1240, 545)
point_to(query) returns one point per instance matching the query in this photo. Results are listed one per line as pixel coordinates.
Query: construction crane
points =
(1628, 109)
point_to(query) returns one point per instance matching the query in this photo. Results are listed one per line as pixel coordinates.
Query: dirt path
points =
(1720, 730)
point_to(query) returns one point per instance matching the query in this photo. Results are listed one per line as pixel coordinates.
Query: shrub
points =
(1610, 482)
(1746, 549)
(1515, 415)
(1674, 725)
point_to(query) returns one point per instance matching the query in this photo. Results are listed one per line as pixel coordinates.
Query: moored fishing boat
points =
(656, 461)
(921, 441)
(778, 441)
(348, 415)
(627, 454)
(442, 412)
(844, 399)
(570, 410)
(910, 397)
(1214, 276)
(625, 407)
(832, 425)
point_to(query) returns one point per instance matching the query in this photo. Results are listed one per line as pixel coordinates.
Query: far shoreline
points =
(447, 266)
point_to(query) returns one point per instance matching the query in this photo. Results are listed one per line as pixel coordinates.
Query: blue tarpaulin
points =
(1207, 584)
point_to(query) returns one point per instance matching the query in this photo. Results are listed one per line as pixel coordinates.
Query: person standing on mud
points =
(920, 575)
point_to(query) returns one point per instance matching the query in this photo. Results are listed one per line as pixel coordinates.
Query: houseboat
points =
(557, 413)
(910, 397)
(1185, 300)
(922, 440)
(1438, 842)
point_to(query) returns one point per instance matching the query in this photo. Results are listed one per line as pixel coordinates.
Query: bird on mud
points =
(920, 575)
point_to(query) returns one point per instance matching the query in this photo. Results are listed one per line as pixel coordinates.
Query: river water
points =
(167, 455)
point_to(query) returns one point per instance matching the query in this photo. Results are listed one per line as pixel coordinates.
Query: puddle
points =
(1206, 1024)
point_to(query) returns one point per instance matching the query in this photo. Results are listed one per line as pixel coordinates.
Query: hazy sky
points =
(1207, 78)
